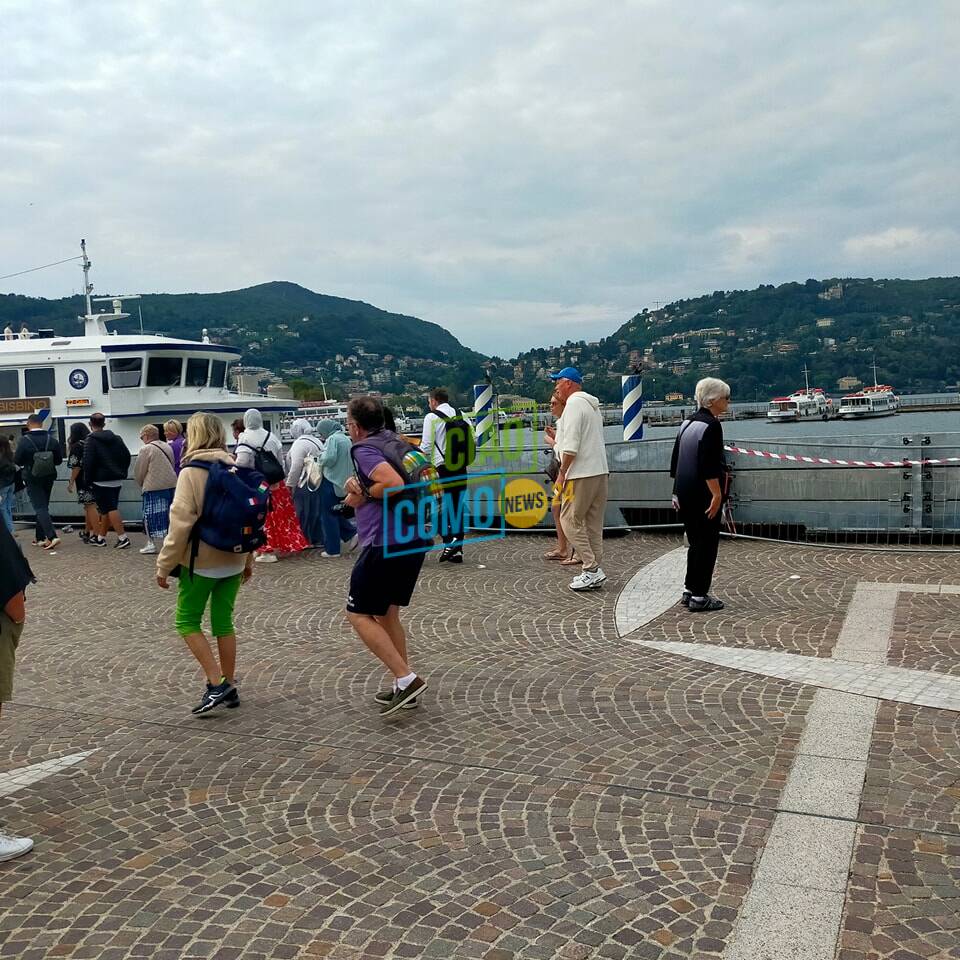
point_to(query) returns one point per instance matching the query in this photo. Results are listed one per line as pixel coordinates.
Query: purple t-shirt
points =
(370, 513)
(177, 444)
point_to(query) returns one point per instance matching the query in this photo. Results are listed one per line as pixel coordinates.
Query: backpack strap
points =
(195, 532)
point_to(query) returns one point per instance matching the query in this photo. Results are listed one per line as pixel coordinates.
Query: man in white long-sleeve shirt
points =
(434, 444)
(583, 475)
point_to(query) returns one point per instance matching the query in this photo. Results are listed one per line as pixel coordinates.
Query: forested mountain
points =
(759, 340)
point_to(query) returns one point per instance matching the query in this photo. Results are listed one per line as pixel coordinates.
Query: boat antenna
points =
(87, 285)
(323, 387)
(806, 377)
(875, 370)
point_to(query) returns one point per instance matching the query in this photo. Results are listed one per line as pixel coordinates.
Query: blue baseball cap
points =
(568, 373)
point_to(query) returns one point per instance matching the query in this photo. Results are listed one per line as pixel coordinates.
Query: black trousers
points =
(703, 535)
(453, 491)
(39, 492)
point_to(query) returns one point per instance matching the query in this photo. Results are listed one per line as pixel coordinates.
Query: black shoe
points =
(685, 599)
(213, 697)
(451, 555)
(705, 605)
(232, 700)
(401, 697)
(121, 544)
(386, 696)
(84, 536)
(96, 541)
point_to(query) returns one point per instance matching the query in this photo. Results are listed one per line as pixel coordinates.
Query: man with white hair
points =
(698, 470)
(583, 475)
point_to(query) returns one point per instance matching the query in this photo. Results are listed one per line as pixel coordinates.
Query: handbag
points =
(552, 468)
(311, 476)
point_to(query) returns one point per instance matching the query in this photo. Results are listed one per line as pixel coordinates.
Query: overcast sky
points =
(519, 172)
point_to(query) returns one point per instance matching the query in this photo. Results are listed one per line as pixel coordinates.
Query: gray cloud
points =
(521, 173)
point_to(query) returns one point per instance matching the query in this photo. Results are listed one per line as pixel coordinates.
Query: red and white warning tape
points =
(838, 462)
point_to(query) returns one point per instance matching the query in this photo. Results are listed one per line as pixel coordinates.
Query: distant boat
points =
(876, 401)
(805, 404)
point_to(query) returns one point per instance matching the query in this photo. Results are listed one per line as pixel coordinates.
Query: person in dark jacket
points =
(8, 480)
(698, 470)
(106, 461)
(15, 576)
(38, 455)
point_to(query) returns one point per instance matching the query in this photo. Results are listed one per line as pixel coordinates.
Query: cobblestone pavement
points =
(561, 793)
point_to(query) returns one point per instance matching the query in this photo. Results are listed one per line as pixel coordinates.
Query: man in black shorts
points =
(106, 461)
(385, 574)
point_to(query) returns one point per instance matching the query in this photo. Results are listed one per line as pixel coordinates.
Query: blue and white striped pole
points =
(632, 388)
(483, 412)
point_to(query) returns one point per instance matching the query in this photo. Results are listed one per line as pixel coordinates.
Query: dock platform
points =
(589, 776)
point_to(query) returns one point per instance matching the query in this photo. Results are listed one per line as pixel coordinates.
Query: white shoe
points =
(350, 545)
(588, 580)
(265, 558)
(52, 544)
(149, 548)
(11, 846)
(330, 556)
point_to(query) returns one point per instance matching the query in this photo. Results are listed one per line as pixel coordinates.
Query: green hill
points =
(759, 340)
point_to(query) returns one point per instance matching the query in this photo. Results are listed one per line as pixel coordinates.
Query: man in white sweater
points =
(583, 475)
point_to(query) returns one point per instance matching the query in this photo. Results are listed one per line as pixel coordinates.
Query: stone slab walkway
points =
(563, 792)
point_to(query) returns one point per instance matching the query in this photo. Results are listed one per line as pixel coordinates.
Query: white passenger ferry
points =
(876, 401)
(131, 379)
(803, 404)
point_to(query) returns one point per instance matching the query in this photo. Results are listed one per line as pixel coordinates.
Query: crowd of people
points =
(211, 512)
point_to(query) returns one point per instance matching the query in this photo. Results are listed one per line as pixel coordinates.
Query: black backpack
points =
(44, 467)
(460, 444)
(266, 462)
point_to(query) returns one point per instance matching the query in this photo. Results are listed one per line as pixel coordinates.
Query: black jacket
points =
(8, 473)
(105, 457)
(31, 443)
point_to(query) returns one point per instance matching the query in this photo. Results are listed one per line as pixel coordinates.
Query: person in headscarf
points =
(337, 467)
(282, 527)
(303, 479)
(15, 576)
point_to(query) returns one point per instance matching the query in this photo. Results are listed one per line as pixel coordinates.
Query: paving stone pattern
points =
(561, 793)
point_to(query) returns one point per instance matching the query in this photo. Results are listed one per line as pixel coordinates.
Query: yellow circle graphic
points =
(524, 502)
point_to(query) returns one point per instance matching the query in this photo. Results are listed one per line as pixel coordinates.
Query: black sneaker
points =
(705, 605)
(232, 700)
(685, 599)
(213, 697)
(451, 555)
(401, 697)
(84, 536)
(96, 541)
(385, 696)
(121, 544)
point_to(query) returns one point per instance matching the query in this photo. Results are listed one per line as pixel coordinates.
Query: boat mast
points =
(87, 285)
(806, 377)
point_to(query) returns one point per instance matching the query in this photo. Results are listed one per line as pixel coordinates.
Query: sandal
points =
(571, 562)
(554, 555)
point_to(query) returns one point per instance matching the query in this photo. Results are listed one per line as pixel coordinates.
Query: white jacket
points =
(580, 431)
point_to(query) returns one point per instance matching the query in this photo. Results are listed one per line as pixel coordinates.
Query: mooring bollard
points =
(632, 389)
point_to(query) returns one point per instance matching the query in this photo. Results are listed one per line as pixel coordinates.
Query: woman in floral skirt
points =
(282, 527)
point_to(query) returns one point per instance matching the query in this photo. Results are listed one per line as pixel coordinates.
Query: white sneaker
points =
(265, 558)
(330, 556)
(11, 846)
(588, 580)
(350, 545)
(149, 548)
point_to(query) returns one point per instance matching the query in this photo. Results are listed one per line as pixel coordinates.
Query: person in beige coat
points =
(217, 575)
(155, 474)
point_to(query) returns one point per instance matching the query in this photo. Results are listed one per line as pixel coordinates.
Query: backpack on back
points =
(311, 476)
(419, 474)
(43, 467)
(236, 501)
(460, 444)
(265, 462)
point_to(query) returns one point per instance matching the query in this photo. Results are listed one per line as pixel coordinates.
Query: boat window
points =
(104, 384)
(218, 373)
(125, 372)
(9, 387)
(164, 371)
(197, 372)
(40, 382)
